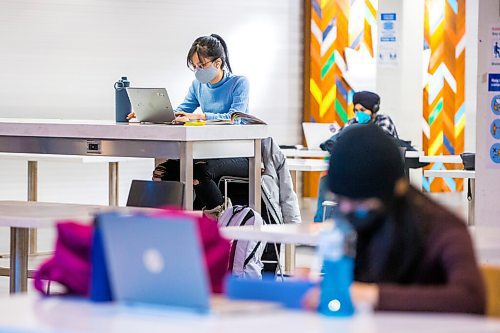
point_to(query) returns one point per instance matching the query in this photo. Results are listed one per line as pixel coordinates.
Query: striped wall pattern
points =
(335, 26)
(444, 93)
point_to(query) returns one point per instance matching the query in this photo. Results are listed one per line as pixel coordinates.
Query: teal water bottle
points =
(337, 248)
(122, 102)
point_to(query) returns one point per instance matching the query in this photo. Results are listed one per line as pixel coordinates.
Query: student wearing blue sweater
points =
(218, 92)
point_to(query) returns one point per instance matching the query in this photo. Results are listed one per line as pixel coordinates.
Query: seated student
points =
(411, 254)
(366, 110)
(218, 92)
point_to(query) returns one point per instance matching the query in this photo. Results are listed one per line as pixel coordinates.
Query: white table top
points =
(306, 165)
(414, 154)
(312, 153)
(94, 129)
(304, 153)
(441, 158)
(300, 233)
(29, 313)
(66, 158)
(44, 214)
(450, 173)
(485, 238)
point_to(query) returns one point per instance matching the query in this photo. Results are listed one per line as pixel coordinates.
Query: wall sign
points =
(388, 53)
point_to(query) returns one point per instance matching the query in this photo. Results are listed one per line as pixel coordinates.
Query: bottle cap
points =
(124, 78)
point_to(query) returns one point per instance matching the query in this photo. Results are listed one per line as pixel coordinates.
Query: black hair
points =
(392, 253)
(209, 47)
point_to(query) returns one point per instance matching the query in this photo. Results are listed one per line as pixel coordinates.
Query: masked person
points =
(219, 93)
(411, 253)
(366, 111)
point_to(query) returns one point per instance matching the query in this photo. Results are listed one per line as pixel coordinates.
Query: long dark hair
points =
(209, 47)
(392, 253)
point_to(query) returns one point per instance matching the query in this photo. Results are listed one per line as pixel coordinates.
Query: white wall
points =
(59, 59)
(400, 86)
(487, 172)
(471, 33)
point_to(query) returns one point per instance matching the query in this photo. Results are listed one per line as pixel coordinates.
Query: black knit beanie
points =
(369, 100)
(365, 163)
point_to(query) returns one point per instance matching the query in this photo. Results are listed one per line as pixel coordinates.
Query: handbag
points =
(70, 263)
(78, 262)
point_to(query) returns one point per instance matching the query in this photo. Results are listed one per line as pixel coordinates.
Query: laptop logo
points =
(153, 261)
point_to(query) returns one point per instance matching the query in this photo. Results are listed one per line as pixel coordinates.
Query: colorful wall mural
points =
(444, 92)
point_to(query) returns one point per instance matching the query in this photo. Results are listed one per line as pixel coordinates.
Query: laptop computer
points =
(151, 105)
(316, 133)
(162, 263)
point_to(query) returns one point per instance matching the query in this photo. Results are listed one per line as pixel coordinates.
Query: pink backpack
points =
(71, 263)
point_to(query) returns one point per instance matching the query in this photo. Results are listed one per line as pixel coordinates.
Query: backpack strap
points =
(247, 217)
(250, 256)
(235, 210)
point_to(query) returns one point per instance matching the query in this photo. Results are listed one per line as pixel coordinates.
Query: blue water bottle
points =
(337, 248)
(122, 102)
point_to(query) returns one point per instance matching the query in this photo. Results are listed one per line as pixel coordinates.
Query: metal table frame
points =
(183, 149)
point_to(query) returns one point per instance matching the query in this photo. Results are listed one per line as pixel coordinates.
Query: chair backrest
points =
(154, 194)
(491, 277)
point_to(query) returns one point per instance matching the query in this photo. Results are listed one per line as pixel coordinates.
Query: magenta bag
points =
(70, 264)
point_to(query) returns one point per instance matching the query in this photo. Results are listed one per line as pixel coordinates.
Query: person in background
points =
(219, 93)
(411, 253)
(366, 111)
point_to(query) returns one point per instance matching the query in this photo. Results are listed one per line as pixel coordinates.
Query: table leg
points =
(471, 206)
(19, 239)
(289, 259)
(113, 184)
(295, 175)
(186, 173)
(254, 177)
(33, 196)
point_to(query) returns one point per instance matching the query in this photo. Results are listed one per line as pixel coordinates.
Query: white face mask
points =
(205, 75)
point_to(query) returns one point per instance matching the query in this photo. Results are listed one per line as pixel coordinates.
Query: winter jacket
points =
(277, 187)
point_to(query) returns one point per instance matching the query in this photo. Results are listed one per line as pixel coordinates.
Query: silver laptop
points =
(151, 105)
(316, 133)
(160, 261)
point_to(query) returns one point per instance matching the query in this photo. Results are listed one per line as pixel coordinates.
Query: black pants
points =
(208, 172)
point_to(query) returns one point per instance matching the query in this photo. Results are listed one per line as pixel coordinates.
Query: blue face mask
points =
(362, 117)
(205, 75)
(363, 219)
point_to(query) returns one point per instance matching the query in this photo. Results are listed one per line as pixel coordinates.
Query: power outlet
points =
(93, 147)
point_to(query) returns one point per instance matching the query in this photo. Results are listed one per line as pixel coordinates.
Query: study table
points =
(485, 238)
(305, 153)
(20, 216)
(452, 159)
(31, 313)
(107, 138)
(465, 174)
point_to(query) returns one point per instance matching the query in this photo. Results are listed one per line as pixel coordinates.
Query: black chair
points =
(154, 194)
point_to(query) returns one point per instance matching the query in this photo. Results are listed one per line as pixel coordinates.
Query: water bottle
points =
(337, 250)
(122, 102)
